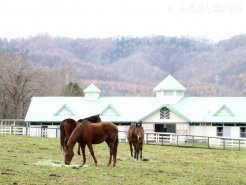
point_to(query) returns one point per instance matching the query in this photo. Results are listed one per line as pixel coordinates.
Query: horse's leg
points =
(115, 150)
(64, 144)
(131, 150)
(134, 145)
(136, 151)
(83, 153)
(79, 149)
(92, 153)
(140, 150)
(111, 150)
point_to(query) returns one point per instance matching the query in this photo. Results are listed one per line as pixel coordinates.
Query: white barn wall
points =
(148, 127)
(235, 132)
(122, 131)
(203, 131)
(182, 128)
(52, 131)
(155, 118)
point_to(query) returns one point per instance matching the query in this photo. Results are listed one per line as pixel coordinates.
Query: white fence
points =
(40, 131)
(161, 138)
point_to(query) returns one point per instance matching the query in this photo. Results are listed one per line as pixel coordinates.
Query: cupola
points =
(170, 91)
(92, 92)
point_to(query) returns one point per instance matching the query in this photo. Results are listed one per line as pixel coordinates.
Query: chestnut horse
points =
(67, 126)
(86, 133)
(135, 137)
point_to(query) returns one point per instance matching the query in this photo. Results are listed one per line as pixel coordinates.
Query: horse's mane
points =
(91, 118)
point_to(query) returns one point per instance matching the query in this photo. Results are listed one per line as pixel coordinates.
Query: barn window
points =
(243, 132)
(164, 113)
(168, 93)
(219, 131)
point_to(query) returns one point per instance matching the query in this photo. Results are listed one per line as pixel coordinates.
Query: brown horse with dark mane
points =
(67, 126)
(88, 134)
(135, 137)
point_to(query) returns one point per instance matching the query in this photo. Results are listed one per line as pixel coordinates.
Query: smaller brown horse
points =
(67, 126)
(135, 136)
(87, 134)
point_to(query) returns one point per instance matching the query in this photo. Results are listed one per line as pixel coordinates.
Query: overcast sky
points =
(214, 20)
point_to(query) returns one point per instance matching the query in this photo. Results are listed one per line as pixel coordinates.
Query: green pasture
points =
(34, 160)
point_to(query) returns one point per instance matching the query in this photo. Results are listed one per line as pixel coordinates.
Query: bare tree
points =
(19, 81)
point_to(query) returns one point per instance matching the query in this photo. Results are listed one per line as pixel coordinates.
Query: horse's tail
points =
(62, 135)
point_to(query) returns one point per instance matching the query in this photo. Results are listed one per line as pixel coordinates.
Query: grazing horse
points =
(87, 134)
(135, 137)
(67, 126)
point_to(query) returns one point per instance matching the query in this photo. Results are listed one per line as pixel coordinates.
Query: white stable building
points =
(168, 111)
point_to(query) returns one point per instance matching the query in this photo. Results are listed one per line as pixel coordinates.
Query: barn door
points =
(170, 128)
(160, 128)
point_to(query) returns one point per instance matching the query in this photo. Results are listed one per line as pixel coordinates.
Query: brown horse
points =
(135, 137)
(67, 126)
(87, 134)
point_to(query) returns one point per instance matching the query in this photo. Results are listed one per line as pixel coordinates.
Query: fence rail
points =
(160, 138)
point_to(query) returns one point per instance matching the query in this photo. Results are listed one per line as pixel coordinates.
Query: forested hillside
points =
(133, 66)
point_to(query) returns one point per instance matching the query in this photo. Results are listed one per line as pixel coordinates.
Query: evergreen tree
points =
(73, 89)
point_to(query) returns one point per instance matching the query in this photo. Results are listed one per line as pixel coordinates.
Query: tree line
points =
(20, 80)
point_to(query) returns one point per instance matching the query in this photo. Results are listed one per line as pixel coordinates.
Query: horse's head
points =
(68, 156)
(139, 136)
(139, 124)
(139, 132)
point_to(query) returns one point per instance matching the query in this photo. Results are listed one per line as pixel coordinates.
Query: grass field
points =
(34, 160)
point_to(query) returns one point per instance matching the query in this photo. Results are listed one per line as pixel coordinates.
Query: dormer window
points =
(164, 113)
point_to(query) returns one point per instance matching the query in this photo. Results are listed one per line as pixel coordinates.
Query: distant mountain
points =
(134, 66)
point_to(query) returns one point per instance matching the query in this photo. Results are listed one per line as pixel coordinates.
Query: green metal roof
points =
(212, 109)
(126, 109)
(92, 88)
(131, 109)
(169, 83)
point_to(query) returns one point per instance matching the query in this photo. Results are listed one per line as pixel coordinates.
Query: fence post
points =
(224, 143)
(239, 144)
(44, 131)
(177, 139)
(193, 141)
(208, 142)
